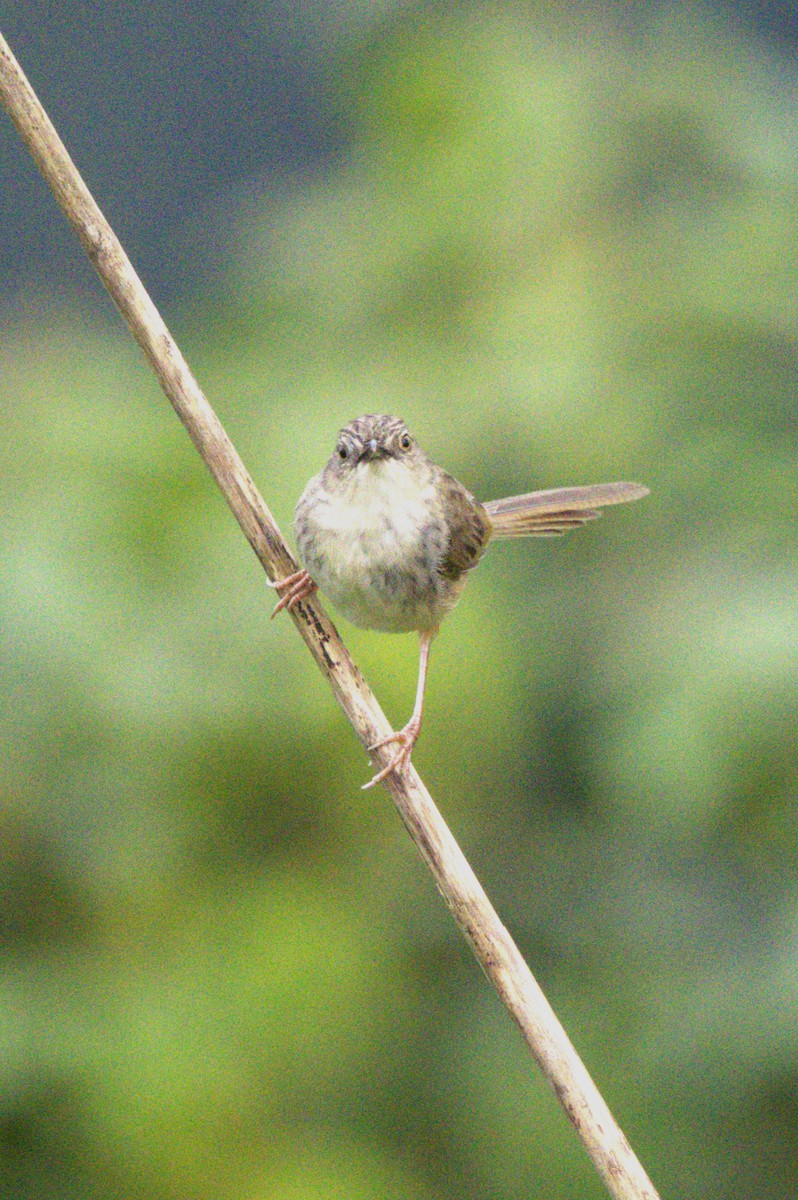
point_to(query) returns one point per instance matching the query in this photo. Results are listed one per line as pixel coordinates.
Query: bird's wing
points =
(469, 528)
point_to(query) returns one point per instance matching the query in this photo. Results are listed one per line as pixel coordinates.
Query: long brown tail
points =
(548, 514)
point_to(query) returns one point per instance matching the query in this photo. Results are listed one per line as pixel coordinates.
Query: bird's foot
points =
(406, 738)
(298, 586)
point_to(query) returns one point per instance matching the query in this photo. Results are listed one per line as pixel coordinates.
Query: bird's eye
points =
(343, 453)
(405, 441)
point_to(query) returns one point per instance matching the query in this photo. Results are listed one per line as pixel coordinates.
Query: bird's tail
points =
(548, 514)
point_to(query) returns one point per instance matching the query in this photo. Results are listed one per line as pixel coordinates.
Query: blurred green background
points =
(564, 247)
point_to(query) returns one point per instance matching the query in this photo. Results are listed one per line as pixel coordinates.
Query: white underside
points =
(370, 542)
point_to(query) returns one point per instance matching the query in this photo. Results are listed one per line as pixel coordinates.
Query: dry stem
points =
(490, 941)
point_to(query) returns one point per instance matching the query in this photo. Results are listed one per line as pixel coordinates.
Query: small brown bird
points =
(390, 537)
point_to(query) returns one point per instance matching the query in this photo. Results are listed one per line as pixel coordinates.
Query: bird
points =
(391, 537)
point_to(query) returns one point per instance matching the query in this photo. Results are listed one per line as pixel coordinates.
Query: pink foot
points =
(299, 586)
(406, 738)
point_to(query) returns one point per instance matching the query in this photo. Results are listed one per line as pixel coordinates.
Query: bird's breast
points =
(373, 542)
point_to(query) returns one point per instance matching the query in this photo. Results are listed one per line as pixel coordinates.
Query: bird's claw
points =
(298, 586)
(407, 739)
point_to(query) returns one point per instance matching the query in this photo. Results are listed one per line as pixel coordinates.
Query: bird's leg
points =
(406, 737)
(298, 586)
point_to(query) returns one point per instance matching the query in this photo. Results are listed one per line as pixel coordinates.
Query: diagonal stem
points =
(491, 943)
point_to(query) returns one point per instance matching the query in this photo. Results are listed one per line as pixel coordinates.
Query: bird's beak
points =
(371, 450)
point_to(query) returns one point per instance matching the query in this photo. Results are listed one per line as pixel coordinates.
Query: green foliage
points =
(564, 252)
